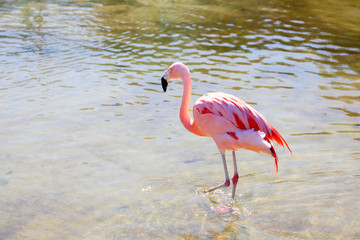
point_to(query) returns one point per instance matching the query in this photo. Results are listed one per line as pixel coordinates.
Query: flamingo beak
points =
(164, 83)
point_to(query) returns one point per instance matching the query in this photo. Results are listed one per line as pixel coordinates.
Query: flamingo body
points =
(231, 122)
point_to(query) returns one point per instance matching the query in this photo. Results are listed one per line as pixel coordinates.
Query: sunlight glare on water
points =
(92, 148)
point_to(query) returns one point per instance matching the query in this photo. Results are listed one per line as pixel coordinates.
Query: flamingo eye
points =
(166, 74)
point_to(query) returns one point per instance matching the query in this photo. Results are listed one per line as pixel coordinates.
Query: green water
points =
(91, 148)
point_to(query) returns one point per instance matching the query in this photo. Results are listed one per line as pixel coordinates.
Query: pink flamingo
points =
(231, 122)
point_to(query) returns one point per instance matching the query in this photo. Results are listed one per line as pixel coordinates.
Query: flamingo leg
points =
(235, 177)
(227, 181)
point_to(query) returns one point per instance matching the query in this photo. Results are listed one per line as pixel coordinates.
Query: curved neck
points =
(184, 108)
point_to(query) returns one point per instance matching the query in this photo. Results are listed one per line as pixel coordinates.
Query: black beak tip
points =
(164, 83)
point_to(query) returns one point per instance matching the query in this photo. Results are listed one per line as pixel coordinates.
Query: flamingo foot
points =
(221, 209)
(225, 184)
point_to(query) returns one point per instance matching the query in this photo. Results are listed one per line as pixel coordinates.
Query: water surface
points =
(91, 148)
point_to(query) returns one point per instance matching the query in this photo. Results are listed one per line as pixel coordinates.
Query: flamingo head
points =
(175, 71)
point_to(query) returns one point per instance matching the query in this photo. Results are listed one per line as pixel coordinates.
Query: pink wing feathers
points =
(240, 114)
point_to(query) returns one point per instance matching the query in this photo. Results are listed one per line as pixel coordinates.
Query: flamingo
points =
(228, 120)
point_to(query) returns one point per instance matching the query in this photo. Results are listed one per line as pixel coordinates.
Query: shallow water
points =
(91, 148)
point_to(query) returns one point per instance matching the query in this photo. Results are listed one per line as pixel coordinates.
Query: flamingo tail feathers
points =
(275, 135)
